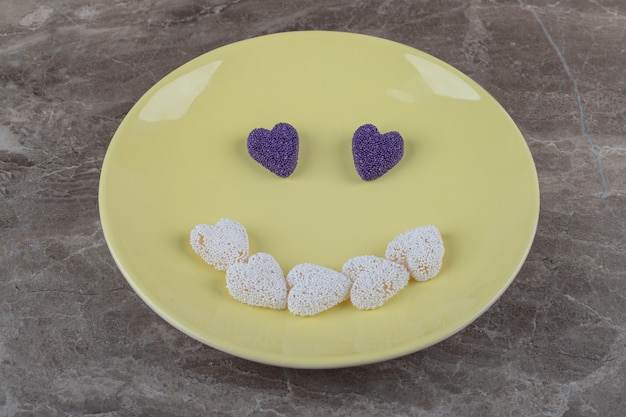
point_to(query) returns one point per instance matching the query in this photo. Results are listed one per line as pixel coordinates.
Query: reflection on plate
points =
(179, 158)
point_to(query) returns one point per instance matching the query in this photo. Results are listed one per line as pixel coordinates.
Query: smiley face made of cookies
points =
(368, 281)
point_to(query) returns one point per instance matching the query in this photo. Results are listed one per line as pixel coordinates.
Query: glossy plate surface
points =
(179, 158)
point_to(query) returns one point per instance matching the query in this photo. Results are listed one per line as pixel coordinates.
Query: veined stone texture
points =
(76, 340)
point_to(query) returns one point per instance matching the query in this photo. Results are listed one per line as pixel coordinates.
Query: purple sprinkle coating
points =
(276, 150)
(375, 153)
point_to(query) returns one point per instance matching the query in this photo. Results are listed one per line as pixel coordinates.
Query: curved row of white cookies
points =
(308, 289)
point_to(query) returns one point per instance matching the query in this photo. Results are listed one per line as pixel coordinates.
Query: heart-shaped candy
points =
(375, 280)
(259, 282)
(315, 288)
(420, 250)
(276, 149)
(221, 245)
(375, 153)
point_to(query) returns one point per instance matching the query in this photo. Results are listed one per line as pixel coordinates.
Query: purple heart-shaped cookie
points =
(375, 153)
(276, 149)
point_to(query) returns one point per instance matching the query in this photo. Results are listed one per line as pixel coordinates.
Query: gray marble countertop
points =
(76, 340)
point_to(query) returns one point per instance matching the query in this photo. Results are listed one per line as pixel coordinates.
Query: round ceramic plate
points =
(179, 159)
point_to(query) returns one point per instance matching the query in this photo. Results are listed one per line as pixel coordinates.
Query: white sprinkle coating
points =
(259, 282)
(315, 288)
(375, 280)
(420, 250)
(221, 245)
(309, 289)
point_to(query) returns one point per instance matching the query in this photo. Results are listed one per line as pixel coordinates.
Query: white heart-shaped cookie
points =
(221, 245)
(315, 288)
(375, 280)
(259, 282)
(420, 250)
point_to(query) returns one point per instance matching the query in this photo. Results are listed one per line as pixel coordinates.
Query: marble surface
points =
(76, 340)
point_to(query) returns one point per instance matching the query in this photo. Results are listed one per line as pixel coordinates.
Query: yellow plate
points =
(179, 158)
